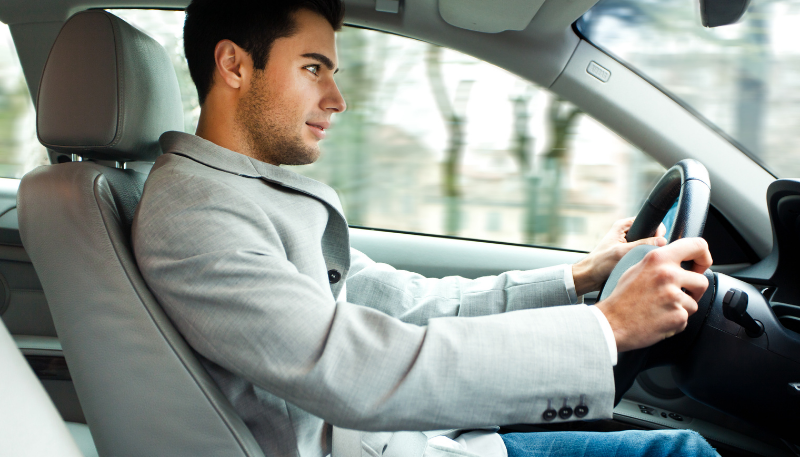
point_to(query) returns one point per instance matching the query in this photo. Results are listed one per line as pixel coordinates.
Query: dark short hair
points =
(252, 24)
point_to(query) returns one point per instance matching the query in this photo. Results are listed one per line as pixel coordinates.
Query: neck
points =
(217, 125)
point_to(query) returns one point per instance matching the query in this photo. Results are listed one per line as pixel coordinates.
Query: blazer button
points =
(582, 410)
(550, 413)
(565, 412)
(334, 276)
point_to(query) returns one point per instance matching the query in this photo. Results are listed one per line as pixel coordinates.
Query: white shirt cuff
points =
(608, 333)
(569, 283)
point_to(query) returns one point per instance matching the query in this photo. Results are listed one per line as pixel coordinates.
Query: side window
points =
(434, 141)
(438, 142)
(20, 151)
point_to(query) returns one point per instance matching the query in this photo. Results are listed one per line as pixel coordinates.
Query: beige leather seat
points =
(30, 426)
(108, 91)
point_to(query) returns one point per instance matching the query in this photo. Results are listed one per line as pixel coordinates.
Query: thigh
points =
(632, 443)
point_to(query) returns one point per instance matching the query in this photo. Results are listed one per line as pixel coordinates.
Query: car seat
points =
(107, 93)
(26, 413)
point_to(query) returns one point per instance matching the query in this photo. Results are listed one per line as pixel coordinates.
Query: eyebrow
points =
(324, 59)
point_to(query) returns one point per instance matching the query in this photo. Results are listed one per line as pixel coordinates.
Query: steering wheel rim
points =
(688, 182)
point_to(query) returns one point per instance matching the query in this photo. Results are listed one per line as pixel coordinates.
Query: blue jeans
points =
(655, 443)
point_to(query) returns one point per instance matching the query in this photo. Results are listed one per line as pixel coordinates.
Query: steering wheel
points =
(687, 182)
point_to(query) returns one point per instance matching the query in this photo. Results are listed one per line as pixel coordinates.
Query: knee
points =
(688, 442)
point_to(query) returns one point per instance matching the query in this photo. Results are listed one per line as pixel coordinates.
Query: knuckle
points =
(684, 323)
(680, 319)
(653, 257)
(700, 243)
(664, 276)
(673, 295)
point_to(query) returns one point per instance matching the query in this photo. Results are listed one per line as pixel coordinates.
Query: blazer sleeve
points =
(414, 298)
(216, 264)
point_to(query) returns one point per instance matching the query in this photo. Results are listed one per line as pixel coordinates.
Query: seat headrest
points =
(108, 91)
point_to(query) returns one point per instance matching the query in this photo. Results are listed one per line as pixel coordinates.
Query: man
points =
(250, 260)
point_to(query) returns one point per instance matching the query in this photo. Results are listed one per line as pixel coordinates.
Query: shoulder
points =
(180, 190)
(179, 181)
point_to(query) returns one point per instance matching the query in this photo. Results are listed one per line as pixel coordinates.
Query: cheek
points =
(294, 98)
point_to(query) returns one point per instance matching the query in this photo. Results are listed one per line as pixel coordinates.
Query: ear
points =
(234, 65)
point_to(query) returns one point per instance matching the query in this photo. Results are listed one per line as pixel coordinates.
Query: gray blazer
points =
(250, 260)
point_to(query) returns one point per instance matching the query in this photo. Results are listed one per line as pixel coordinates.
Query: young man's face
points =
(288, 106)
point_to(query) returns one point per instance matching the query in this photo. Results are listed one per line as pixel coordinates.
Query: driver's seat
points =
(107, 93)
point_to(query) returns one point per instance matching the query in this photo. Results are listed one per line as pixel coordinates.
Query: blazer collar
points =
(214, 156)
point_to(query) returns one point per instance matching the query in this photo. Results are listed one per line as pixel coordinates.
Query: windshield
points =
(743, 78)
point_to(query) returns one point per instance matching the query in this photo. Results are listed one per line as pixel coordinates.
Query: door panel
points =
(436, 256)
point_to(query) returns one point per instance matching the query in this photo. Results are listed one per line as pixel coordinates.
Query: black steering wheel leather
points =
(687, 181)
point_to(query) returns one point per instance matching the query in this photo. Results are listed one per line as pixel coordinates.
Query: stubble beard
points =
(268, 130)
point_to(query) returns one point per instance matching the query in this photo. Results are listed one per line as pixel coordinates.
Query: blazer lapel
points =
(217, 157)
(298, 182)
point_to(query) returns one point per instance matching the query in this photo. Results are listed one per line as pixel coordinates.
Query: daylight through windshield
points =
(743, 78)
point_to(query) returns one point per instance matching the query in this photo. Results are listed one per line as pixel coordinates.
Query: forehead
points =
(313, 34)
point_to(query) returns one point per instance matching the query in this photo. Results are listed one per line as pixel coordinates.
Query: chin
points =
(302, 156)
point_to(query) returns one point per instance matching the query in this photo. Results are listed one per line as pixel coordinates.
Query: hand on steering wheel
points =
(591, 273)
(655, 297)
(648, 296)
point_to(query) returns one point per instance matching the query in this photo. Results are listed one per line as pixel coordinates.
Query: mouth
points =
(318, 128)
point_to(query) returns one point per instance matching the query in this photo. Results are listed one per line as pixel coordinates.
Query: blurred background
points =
(438, 142)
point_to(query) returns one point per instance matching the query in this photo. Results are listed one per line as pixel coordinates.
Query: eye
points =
(314, 69)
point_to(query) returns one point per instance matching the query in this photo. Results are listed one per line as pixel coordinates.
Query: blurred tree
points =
(522, 150)
(454, 117)
(752, 49)
(347, 164)
(15, 103)
(346, 153)
(562, 116)
(751, 80)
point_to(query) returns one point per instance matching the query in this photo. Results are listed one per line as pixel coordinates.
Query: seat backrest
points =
(107, 93)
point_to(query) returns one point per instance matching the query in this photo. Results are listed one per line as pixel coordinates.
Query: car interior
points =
(123, 380)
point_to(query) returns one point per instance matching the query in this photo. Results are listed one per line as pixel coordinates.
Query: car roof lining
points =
(547, 42)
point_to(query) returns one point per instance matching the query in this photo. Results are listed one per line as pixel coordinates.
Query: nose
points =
(334, 101)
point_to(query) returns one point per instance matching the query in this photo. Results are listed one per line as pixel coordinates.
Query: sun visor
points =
(489, 16)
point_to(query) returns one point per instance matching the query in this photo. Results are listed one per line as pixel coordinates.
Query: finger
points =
(661, 230)
(705, 261)
(695, 249)
(653, 241)
(680, 325)
(694, 284)
(623, 225)
(688, 304)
